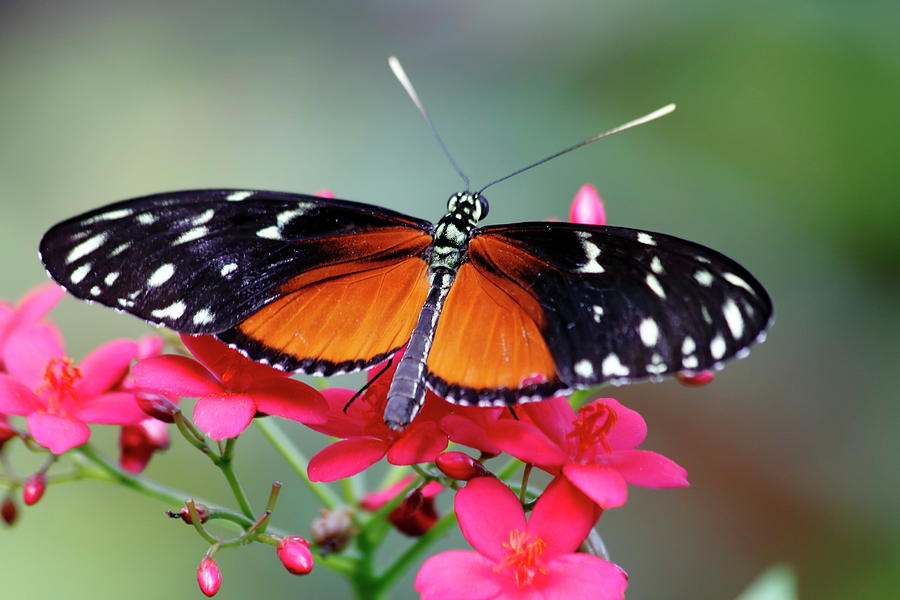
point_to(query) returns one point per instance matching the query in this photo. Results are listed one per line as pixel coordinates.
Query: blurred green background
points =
(783, 154)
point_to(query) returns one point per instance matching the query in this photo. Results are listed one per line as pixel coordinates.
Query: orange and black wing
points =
(298, 282)
(546, 307)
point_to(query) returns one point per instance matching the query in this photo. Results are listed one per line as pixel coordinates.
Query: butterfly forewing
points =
(206, 261)
(619, 304)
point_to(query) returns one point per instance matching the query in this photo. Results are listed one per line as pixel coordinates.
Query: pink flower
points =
(366, 438)
(58, 398)
(33, 489)
(231, 388)
(515, 558)
(29, 310)
(593, 449)
(587, 207)
(697, 379)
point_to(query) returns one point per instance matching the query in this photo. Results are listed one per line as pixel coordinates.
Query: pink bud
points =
(460, 466)
(8, 510)
(209, 578)
(697, 379)
(324, 194)
(185, 515)
(34, 488)
(6, 431)
(587, 207)
(139, 442)
(157, 406)
(295, 555)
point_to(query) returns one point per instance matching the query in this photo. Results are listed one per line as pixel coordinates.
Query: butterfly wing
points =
(289, 279)
(592, 304)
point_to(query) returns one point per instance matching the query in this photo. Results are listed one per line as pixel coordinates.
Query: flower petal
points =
(602, 484)
(117, 408)
(649, 469)
(420, 442)
(469, 432)
(584, 576)
(16, 398)
(587, 207)
(28, 351)
(488, 511)
(290, 399)
(178, 375)
(346, 458)
(105, 367)
(526, 442)
(630, 428)
(35, 304)
(223, 416)
(553, 416)
(563, 517)
(57, 433)
(230, 366)
(458, 575)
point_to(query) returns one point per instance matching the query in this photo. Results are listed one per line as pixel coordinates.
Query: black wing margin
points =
(623, 305)
(202, 261)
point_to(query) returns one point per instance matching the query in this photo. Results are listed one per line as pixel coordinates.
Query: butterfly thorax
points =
(464, 210)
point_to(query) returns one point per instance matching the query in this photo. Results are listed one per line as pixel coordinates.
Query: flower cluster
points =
(472, 457)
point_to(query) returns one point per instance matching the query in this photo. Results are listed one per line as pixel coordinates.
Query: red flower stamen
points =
(524, 557)
(592, 425)
(60, 377)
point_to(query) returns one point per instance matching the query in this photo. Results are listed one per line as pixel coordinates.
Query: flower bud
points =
(8, 510)
(157, 406)
(333, 530)
(139, 442)
(460, 466)
(6, 431)
(185, 515)
(295, 555)
(415, 515)
(587, 207)
(34, 488)
(209, 578)
(697, 379)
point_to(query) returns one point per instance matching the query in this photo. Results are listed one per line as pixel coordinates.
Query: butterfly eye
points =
(453, 201)
(481, 207)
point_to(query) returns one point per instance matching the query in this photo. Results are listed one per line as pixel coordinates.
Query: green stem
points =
(405, 560)
(525, 475)
(227, 466)
(295, 458)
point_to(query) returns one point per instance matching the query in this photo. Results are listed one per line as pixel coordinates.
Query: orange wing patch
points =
(361, 304)
(489, 334)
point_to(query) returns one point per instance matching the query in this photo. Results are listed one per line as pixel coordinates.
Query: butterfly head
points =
(470, 206)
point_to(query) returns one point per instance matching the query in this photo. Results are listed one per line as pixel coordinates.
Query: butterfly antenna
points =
(640, 121)
(400, 74)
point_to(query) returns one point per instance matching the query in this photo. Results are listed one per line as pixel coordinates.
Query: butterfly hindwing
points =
(615, 304)
(211, 261)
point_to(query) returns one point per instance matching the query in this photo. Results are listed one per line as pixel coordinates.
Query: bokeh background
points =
(783, 154)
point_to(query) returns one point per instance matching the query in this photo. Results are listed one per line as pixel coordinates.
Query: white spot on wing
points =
(272, 232)
(227, 269)
(591, 252)
(649, 332)
(95, 291)
(203, 317)
(120, 249)
(146, 218)
(161, 275)
(190, 235)
(598, 312)
(86, 247)
(80, 273)
(238, 196)
(646, 238)
(204, 217)
(704, 278)
(584, 368)
(688, 346)
(735, 280)
(690, 362)
(612, 366)
(287, 216)
(173, 311)
(734, 318)
(109, 216)
(717, 347)
(653, 284)
(656, 265)
(111, 278)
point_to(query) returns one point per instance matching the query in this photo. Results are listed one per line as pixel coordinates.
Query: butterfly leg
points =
(368, 383)
(407, 392)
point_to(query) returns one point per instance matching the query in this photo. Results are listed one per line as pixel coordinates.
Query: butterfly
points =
(491, 316)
